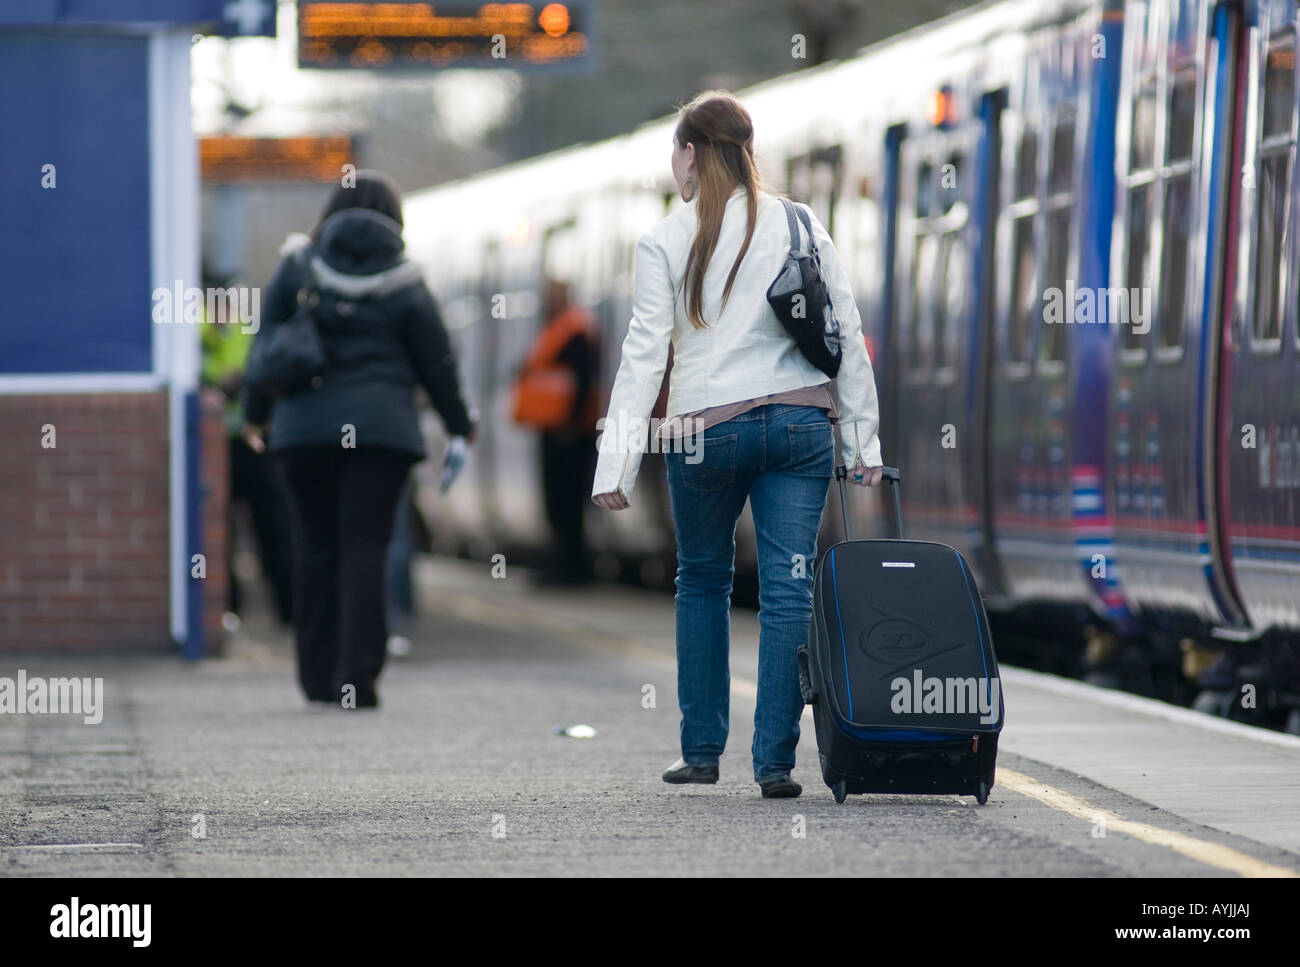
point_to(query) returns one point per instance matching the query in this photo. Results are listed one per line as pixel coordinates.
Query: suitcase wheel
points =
(841, 791)
(982, 792)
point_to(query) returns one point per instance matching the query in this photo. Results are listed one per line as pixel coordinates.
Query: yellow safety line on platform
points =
(1211, 854)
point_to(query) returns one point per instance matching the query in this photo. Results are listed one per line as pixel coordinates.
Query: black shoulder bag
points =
(291, 357)
(801, 299)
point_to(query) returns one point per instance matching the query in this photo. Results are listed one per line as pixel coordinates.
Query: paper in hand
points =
(452, 462)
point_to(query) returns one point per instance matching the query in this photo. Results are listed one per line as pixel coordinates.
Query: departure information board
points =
(228, 159)
(342, 34)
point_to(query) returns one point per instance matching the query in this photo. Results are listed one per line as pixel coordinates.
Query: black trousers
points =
(568, 464)
(343, 502)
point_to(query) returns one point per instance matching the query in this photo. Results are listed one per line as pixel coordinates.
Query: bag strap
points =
(812, 244)
(807, 223)
(794, 226)
(796, 245)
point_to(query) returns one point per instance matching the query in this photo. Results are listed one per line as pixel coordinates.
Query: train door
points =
(1163, 323)
(936, 324)
(1042, 418)
(1257, 461)
(886, 368)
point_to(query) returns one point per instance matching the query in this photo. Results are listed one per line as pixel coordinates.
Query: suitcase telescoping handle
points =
(888, 474)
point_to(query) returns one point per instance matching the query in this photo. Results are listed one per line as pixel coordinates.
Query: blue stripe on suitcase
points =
(844, 646)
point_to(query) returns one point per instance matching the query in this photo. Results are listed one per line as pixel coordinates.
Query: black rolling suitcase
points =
(899, 667)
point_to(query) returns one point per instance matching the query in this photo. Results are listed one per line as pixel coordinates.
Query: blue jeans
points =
(779, 457)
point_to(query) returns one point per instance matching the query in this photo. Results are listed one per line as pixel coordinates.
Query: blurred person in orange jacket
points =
(557, 393)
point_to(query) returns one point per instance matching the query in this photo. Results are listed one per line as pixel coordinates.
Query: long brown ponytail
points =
(723, 135)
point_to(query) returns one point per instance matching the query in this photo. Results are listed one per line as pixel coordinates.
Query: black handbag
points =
(291, 357)
(801, 299)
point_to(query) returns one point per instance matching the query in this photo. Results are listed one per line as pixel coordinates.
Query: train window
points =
(924, 190)
(936, 266)
(939, 303)
(923, 272)
(1182, 40)
(1172, 303)
(949, 186)
(1027, 163)
(1279, 81)
(1060, 177)
(813, 179)
(952, 296)
(914, 289)
(1142, 142)
(1022, 290)
(1273, 187)
(824, 183)
(1182, 118)
(1055, 270)
(1139, 242)
(1144, 21)
(798, 178)
(1270, 253)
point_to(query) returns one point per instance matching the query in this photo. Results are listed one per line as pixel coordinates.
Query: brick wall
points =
(84, 524)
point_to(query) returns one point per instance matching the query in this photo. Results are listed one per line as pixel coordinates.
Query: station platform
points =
(220, 769)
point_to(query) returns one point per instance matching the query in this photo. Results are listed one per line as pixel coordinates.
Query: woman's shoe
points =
(355, 696)
(680, 772)
(779, 786)
(365, 698)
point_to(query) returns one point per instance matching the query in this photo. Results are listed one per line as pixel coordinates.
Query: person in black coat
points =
(346, 445)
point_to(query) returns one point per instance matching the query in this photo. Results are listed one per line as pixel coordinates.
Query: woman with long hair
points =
(761, 417)
(346, 446)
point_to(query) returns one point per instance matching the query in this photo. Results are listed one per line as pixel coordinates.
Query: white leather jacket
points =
(743, 353)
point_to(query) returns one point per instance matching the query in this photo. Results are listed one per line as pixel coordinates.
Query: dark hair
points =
(372, 189)
(723, 135)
